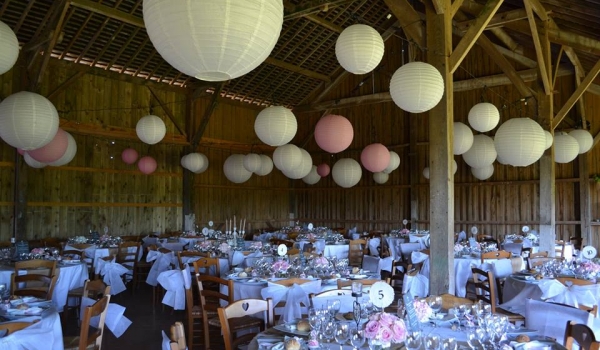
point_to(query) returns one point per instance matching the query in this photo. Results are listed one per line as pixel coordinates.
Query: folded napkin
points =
(162, 261)
(112, 273)
(175, 282)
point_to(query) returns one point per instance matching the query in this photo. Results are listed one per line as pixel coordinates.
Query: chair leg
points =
(206, 335)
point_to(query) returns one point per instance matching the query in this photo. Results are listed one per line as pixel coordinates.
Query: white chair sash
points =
(115, 321)
(175, 282)
(112, 273)
(417, 285)
(502, 268)
(551, 319)
(162, 262)
(166, 341)
(406, 249)
(238, 258)
(374, 243)
(573, 295)
(294, 296)
(418, 257)
(251, 258)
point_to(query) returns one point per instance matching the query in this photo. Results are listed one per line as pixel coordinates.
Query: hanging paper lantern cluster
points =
(394, 162)
(520, 141)
(10, 48)
(482, 153)
(195, 162)
(234, 169)
(151, 129)
(214, 40)
(346, 172)
(313, 177)
(275, 126)
(53, 150)
(454, 169)
(147, 165)
(302, 169)
(375, 157)
(417, 87)
(463, 138)
(266, 166)
(381, 177)
(32, 162)
(323, 170)
(334, 133)
(252, 162)
(129, 156)
(69, 153)
(359, 49)
(584, 139)
(484, 117)
(287, 157)
(566, 148)
(549, 139)
(483, 173)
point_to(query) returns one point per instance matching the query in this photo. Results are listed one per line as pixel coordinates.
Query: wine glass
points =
(357, 338)
(342, 334)
(413, 340)
(315, 321)
(328, 328)
(473, 337)
(333, 306)
(432, 342)
(449, 344)
(435, 303)
(461, 311)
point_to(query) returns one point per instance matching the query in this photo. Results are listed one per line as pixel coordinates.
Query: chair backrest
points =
(356, 250)
(407, 248)
(542, 254)
(37, 264)
(500, 254)
(178, 337)
(485, 288)
(396, 277)
(343, 284)
(127, 254)
(205, 264)
(210, 299)
(12, 327)
(568, 281)
(238, 309)
(89, 334)
(582, 335)
(559, 250)
(514, 248)
(548, 318)
(95, 289)
(74, 254)
(35, 285)
(293, 251)
(188, 254)
(288, 282)
(576, 242)
(80, 246)
(449, 301)
(53, 242)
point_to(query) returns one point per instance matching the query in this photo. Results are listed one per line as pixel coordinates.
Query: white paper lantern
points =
(380, 178)
(266, 166)
(301, 170)
(359, 49)
(214, 40)
(482, 153)
(27, 120)
(151, 129)
(32, 162)
(417, 87)
(549, 139)
(234, 169)
(394, 163)
(463, 138)
(426, 173)
(252, 162)
(194, 162)
(584, 139)
(520, 141)
(204, 164)
(9, 48)
(69, 153)
(454, 166)
(483, 173)
(287, 157)
(313, 177)
(566, 148)
(275, 126)
(484, 117)
(346, 172)
(184, 161)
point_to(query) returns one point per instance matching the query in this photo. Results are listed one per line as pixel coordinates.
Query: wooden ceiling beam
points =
(167, 110)
(108, 12)
(594, 89)
(293, 68)
(526, 61)
(498, 20)
(542, 64)
(439, 6)
(72, 79)
(456, 4)
(539, 9)
(207, 114)
(410, 20)
(325, 24)
(309, 7)
(596, 140)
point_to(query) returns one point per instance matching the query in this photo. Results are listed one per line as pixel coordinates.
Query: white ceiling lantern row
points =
(150, 129)
(520, 141)
(584, 139)
(482, 153)
(214, 40)
(234, 170)
(484, 116)
(275, 126)
(566, 148)
(417, 87)
(359, 49)
(287, 157)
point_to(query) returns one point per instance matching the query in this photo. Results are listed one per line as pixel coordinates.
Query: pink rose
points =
(386, 319)
(385, 335)
(399, 331)
(372, 329)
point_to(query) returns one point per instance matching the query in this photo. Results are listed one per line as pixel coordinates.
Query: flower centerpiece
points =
(224, 248)
(38, 251)
(588, 269)
(204, 246)
(383, 329)
(78, 240)
(423, 310)
(404, 232)
(461, 249)
(256, 245)
(281, 267)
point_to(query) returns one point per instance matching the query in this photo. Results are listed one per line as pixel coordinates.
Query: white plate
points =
(521, 331)
(284, 329)
(443, 318)
(32, 311)
(357, 277)
(537, 345)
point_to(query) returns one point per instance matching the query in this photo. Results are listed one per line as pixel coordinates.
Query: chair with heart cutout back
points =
(241, 315)
(582, 335)
(210, 301)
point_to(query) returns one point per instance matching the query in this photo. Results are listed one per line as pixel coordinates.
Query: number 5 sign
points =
(381, 294)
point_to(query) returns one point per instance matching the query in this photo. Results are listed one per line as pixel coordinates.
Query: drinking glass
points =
(413, 340)
(449, 344)
(432, 342)
(342, 334)
(314, 321)
(473, 337)
(435, 303)
(328, 329)
(401, 311)
(357, 338)
(334, 306)
(461, 311)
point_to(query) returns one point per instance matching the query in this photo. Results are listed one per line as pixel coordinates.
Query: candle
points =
(356, 289)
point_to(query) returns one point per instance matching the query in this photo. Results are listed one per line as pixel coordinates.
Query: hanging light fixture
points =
(266, 165)
(463, 138)
(10, 48)
(417, 87)
(334, 133)
(484, 116)
(69, 153)
(234, 169)
(380, 178)
(359, 49)
(566, 148)
(275, 126)
(426, 173)
(346, 172)
(287, 157)
(313, 177)
(394, 162)
(482, 153)
(252, 162)
(520, 141)
(150, 129)
(483, 173)
(375, 157)
(549, 139)
(584, 139)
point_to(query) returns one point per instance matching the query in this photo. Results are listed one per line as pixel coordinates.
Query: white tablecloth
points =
(338, 250)
(96, 253)
(44, 335)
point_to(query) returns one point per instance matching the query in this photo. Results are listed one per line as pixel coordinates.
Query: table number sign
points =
(381, 294)
(413, 320)
(282, 250)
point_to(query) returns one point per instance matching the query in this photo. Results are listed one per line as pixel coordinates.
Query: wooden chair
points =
(485, 290)
(38, 265)
(356, 251)
(41, 286)
(570, 281)
(582, 335)
(236, 316)
(94, 289)
(178, 337)
(90, 336)
(73, 254)
(293, 251)
(11, 327)
(500, 254)
(5, 244)
(210, 301)
(127, 255)
(542, 254)
(348, 283)
(205, 264)
(181, 255)
(449, 301)
(576, 242)
(53, 242)
(483, 237)
(396, 277)
(559, 249)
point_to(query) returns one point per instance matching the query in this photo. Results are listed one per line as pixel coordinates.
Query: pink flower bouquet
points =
(423, 310)
(384, 329)
(224, 248)
(281, 266)
(38, 251)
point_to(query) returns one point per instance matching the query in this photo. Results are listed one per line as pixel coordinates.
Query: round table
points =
(43, 335)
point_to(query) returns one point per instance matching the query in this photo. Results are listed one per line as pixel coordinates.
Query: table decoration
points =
(383, 329)
(422, 310)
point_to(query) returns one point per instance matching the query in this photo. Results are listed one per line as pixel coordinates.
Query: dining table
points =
(95, 252)
(46, 334)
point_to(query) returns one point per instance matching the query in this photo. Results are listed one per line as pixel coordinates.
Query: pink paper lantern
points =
(334, 133)
(129, 156)
(53, 150)
(375, 157)
(147, 165)
(20, 151)
(323, 170)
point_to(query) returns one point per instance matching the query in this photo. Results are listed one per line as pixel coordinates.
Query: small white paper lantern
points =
(417, 87)
(32, 162)
(394, 162)
(484, 117)
(313, 177)
(380, 178)
(483, 173)
(426, 173)
(454, 166)
(287, 157)
(252, 162)
(520, 141)
(9, 45)
(234, 169)
(184, 161)
(151, 129)
(194, 162)
(566, 148)
(69, 153)
(549, 139)
(266, 165)
(584, 139)
(205, 164)
(275, 126)
(359, 49)
(27, 120)
(346, 172)
(301, 170)
(482, 153)
(463, 138)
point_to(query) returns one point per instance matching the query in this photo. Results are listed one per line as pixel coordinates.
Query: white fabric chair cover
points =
(375, 264)
(294, 297)
(346, 302)
(513, 248)
(166, 341)
(418, 257)
(421, 239)
(161, 263)
(112, 272)
(572, 295)
(374, 243)
(502, 268)
(115, 321)
(417, 285)
(462, 236)
(407, 248)
(175, 282)
(551, 319)
(319, 245)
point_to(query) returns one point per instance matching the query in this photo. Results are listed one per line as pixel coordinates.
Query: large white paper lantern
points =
(275, 126)
(9, 48)
(301, 170)
(484, 117)
(584, 139)
(346, 172)
(194, 162)
(463, 138)
(151, 129)
(520, 141)
(313, 177)
(287, 157)
(205, 164)
(426, 173)
(482, 153)
(417, 87)
(454, 166)
(27, 120)
(266, 165)
(380, 178)
(566, 148)
(549, 139)
(69, 153)
(214, 40)
(394, 162)
(359, 49)
(32, 162)
(483, 173)
(252, 162)
(234, 169)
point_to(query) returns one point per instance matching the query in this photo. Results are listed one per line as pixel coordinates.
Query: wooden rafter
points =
(325, 24)
(473, 33)
(72, 79)
(596, 140)
(498, 20)
(167, 110)
(439, 7)
(456, 4)
(296, 69)
(108, 12)
(558, 58)
(309, 7)
(526, 61)
(409, 19)
(542, 64)
(207, 114)
(312, 131)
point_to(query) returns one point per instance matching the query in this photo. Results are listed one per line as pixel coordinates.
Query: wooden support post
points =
(585, 211)
(441, 181)
(414, 175)
(188, 178)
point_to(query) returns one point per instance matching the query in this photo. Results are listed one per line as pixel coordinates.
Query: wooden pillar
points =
(441, 178)
(585, 212)
(188, 178)
(414, 175)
